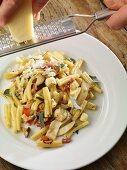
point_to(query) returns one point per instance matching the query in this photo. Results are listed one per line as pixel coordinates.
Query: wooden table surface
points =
(116, 159)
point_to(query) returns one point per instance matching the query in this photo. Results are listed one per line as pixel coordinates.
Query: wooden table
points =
(116, 159)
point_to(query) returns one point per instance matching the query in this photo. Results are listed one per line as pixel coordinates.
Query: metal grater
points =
(52, 31)
(43, 33)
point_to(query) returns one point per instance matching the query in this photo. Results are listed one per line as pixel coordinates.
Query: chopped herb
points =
(7, 92)
(41, 118)
(39, 98)
(62, 65)
(73, 60)
(18, 95)
(94, 78)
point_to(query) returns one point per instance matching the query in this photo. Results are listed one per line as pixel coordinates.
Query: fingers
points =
(7, 9)
(119, 19)
(37, 16)
(38, 5)
(115, 4)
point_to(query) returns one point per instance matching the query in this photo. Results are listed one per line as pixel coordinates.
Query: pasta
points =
(7, 115)
(49, 91)
(13, 115)
(18, 117)
(39, 133)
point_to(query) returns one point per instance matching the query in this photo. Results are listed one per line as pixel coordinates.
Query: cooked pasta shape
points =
(52, 92)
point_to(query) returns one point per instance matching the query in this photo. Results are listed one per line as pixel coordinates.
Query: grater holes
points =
(49, 31)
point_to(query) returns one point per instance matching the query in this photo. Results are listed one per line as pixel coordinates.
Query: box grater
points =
(51, 31)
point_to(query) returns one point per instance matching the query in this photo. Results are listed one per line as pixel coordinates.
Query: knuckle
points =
(11, 2)
(3, 21)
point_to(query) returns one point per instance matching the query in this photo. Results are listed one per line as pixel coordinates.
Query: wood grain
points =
(116, 159)
(115, 40)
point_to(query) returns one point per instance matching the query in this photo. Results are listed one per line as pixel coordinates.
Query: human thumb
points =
(119, 19)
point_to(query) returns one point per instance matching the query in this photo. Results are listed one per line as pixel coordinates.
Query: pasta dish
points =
(49, 90)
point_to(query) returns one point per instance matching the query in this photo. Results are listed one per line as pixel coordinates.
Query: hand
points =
(37, 7)
(8, 8)
(119, 19)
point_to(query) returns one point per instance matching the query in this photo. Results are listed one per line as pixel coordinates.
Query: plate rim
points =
(122, 131)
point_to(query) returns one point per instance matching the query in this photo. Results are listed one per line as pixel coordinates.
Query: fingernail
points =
(37, 16)
(34, 15)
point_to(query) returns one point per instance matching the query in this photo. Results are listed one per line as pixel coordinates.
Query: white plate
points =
(107, 124)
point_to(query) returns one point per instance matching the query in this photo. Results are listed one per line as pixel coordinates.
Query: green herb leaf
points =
(39, 98)
(41, 118)
(73, 60)
(62, 65)
(7, 92)
(94, 78)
